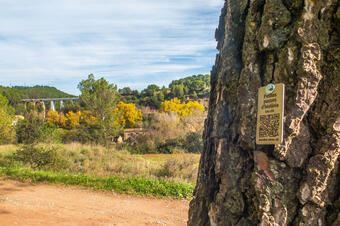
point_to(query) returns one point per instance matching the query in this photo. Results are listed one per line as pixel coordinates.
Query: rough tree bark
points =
(295, 42)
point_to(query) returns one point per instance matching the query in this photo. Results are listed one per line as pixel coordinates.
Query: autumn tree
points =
(127, 115)
(87, 117)
(181, 108)
(52, 117)
(6, 121)
(296, 182)
(73, 119)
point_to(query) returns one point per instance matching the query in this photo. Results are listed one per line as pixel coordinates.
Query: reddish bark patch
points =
(262, 163)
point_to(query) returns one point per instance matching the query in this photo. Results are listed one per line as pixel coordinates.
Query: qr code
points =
(269, 125)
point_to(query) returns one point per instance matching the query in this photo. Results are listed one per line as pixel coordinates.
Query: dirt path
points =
(40, 204)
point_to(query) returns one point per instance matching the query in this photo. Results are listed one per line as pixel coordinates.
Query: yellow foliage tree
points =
(73, 119)
(56, 118)
(6, 127)
(87, 117)
(6, 121)
(62, 120)
(52, 117)
(182, 109)
(127, 115)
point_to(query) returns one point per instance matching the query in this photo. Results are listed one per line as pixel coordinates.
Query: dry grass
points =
(8, 148)
(95, 160)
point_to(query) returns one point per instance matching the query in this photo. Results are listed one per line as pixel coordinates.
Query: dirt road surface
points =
(41, 204)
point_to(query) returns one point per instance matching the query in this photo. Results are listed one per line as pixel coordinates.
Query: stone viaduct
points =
(51, 100)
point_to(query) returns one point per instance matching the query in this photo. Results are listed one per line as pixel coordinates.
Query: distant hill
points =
(41, 92)
(16, 93)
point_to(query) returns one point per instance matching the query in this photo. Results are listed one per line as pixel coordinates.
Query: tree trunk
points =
(294, 42)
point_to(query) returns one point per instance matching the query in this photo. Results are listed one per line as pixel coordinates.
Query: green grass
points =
(133, 185)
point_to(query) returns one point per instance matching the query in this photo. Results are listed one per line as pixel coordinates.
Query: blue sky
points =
(130, 43)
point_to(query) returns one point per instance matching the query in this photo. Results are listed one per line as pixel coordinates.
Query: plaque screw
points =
(270, 88)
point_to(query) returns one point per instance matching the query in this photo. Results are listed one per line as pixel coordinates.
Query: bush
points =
(28, 130)
(85, 134)
(41, 157)
(185, 168)
(33, 129)
(49, 134)
(139, 149)
(193, 142)
(166, 132)
(169, 145)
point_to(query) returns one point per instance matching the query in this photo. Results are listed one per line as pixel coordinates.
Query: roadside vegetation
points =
(85, 142)
(101, 168)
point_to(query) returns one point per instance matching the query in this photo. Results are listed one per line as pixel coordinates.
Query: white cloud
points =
(50, 42)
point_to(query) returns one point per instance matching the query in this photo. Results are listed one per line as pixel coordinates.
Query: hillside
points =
(41, 92)
(16, 93)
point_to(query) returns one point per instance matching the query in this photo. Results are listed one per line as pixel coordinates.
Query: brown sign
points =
(269, 128)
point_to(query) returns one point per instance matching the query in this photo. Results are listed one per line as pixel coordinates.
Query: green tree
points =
(151, 89)
(180, 91)
(100, 97)
(198, 85)
(125, 91)
(155, 101)
(185, 89)
(194, 95)
(161, 96)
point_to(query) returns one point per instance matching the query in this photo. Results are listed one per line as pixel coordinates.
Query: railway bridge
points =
(51, 100)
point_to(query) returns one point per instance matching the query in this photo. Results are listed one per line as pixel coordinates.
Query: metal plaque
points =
(269, 128)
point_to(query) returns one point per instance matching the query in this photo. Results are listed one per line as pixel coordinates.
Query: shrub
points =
(49, 134)
(85, 134)
(169, 145)
(28, 130)
(193, 142)
(33, 129)
(184, 168)
(41, 157)
(167, 131)
(140, 149)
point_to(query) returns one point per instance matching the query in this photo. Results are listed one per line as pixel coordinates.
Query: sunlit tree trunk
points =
(294, 42)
